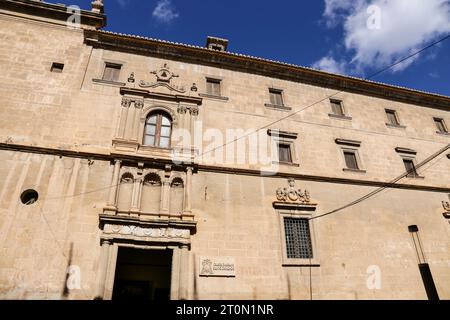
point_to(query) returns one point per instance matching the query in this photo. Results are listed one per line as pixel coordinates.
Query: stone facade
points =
(77, 139)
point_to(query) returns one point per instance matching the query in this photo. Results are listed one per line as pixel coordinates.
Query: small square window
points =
(298, 238)
(350, 160)
(410, 168)
(111, 72)
(213, 87)
(337, 108)
(440, 124)
(284, 153)
(57, 67)
(276, 97)
(392, 117)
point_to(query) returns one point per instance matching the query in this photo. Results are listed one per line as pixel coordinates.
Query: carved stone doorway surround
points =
(149, 235)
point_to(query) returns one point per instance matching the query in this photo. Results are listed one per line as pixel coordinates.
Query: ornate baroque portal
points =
(152, 96)
(149, 204)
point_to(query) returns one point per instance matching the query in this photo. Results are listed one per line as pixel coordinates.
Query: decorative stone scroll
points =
(130, 230)
(126, 102)
(193, 110)
(446, 206)
(291, 194)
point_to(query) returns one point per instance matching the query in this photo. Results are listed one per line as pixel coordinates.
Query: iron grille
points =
(298, 238)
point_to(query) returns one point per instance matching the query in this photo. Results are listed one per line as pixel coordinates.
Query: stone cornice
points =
(157, 223)
(217, 169)
(161, 96)
(57, 12)
(197, 55)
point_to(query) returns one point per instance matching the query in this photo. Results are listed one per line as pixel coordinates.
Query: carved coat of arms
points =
(292, 194)
(206, 267)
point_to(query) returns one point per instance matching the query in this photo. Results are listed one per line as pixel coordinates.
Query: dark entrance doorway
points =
(142, 274)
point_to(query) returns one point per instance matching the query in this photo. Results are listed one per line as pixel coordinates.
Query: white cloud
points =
(123, 3)
(434, 75)
(329, 64)
(404, 27)
(165, 11)
(335, 10)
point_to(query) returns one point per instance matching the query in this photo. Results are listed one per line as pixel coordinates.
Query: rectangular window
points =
(337, 108)
(111, 72)
(276, 97)
(213, 87)
(284, 153)
(392, 117)
(351, 160)
(440, 124)
(410, 168)
(298, 238)
(57, 67)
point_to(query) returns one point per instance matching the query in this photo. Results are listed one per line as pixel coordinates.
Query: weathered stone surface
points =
(58, 136)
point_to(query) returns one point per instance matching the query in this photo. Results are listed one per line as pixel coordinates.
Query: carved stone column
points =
(135, 203)
(114, 184)
(165, 195)
(182, 110)
(103, 267)
(131, 119)
(194, 110)
(184, 272)
(188, 191)
(123, 118)
(138, 109)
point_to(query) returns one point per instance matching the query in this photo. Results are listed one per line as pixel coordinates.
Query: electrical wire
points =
(329, 96)
(386, 185)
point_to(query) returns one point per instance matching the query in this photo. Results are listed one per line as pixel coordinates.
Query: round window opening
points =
(29, 196)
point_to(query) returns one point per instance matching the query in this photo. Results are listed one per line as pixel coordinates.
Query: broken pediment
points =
(163, 80)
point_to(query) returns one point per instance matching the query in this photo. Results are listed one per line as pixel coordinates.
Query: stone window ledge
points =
(301, 263)
(337, 116)
(153, 148)
(213, 97)
(277, 107)
(443, 133)
(395, 126)
(292, 164)
(415, 177)
(354, 170)
(108, 82)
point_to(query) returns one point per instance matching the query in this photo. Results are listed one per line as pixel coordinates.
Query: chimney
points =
(217, 44)
(97, 6)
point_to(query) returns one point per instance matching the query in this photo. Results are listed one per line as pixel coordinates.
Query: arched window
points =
(151, 193)
(158, 129)
(176, 195)
(125, 192)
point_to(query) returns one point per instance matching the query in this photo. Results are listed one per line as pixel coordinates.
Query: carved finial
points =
(131, 78)
(194, 87)
(97, 6)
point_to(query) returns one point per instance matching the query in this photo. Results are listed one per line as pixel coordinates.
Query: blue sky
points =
(353, 37)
